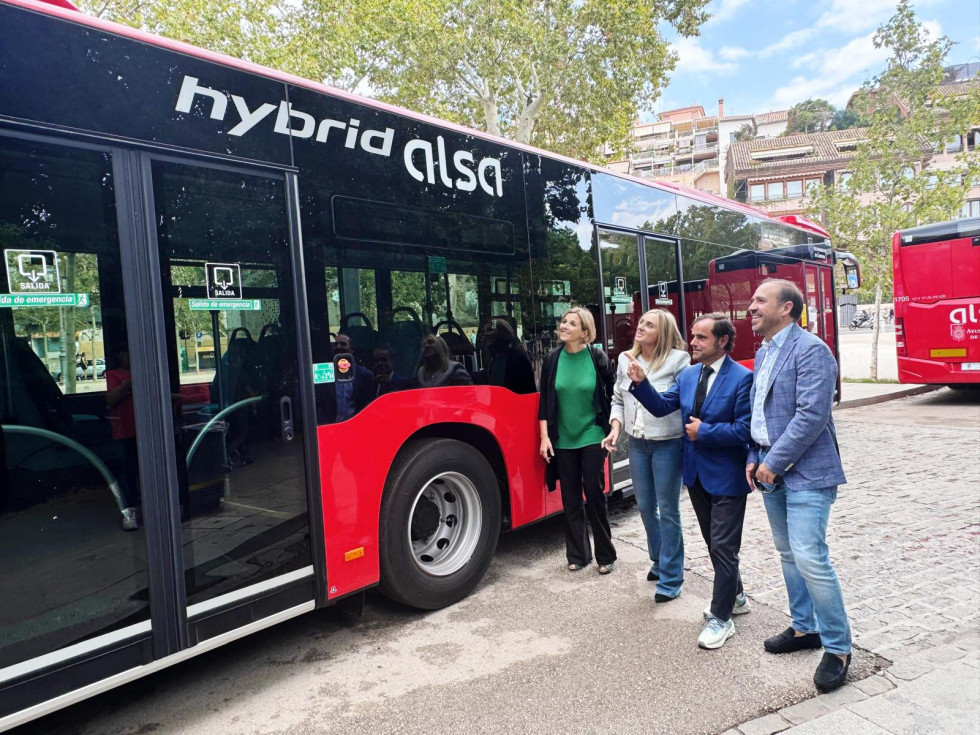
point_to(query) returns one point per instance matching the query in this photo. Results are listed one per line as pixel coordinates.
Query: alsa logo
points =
(964, 315)
(421, 158)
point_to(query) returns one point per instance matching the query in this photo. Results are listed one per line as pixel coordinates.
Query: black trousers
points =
(580, 470)
(720, 518)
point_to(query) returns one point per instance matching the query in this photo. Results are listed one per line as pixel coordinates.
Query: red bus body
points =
(937, 303)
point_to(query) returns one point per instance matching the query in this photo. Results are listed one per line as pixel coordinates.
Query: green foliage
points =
(811, 116)
(845, 119)
(889, 189)
(568, 75)
(747, 132)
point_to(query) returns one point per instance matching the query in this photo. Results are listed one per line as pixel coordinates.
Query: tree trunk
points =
(491, 112)
(875, 331)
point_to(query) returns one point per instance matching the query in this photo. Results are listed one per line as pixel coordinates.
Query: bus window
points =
(68, 465)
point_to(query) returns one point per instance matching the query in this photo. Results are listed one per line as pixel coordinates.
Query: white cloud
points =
(789, 42)
(836, 73)
(854, 16)
(694, 59)
(733, 53)
(725, 10)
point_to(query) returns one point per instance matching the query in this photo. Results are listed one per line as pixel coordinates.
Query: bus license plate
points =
(970, 366)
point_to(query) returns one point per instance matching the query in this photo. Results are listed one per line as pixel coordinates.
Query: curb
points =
(872, 400)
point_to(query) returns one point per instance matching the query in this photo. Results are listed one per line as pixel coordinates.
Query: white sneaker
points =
(715, 633)
(741, 607)
(129, 519)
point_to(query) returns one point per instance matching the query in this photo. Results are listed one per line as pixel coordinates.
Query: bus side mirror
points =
(853, 275)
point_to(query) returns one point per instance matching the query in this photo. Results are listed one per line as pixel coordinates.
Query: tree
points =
(890, 187)
(263, 31)
(568, 75)
(812, 116)
(845, 119)
(747, 132)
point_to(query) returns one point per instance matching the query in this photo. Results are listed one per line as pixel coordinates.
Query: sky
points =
(766, 55)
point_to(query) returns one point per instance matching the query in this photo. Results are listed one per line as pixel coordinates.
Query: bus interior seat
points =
(363, 336)
(460, 347)
(405, 340)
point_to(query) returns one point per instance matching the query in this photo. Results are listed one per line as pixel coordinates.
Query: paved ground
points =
(905, 540)
(855, 354)
(539, 650)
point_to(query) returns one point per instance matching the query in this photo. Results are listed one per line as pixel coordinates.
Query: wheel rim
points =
(444, 524)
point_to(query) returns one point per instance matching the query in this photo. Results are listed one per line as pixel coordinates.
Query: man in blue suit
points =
(794, 461)
(713, 395)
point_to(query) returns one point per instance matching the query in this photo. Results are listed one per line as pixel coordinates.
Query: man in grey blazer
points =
(795, 463)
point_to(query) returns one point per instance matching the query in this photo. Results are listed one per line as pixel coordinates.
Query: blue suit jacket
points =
(798, 406)
(718, 456)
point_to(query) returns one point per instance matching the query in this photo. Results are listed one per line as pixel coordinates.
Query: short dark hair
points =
(788, 291)
(722, 327)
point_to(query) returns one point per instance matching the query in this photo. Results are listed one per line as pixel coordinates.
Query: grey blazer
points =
(798, 406)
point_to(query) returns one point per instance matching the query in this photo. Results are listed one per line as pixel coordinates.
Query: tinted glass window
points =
(70, 513)
(563, 251)
(416, 258)
(229, 304)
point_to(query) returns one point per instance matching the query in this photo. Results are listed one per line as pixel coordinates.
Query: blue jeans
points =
(799, 529)
(655, 467)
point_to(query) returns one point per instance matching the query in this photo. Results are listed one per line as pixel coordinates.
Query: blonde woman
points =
(655, 446)
(573, 412)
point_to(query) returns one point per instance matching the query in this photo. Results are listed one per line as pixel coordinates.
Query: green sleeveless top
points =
(575, 379)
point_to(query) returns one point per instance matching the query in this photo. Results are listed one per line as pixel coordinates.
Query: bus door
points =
(75, 574)
(815, 295)
(622, 276)
(828, 318)
(229, 306)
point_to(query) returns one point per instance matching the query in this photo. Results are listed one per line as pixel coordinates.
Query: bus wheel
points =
(440, 520)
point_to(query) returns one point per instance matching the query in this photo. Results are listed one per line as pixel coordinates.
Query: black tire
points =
(851, 326)
(440, 521)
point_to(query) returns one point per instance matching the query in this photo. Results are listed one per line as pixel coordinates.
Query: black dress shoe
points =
(831, 672)
(653, 575)
(788, 641)
(657, 597)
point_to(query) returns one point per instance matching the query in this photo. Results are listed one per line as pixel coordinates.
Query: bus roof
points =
(953, 229)
(65, 10)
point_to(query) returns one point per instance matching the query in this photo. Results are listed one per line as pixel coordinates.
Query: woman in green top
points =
(573, 412)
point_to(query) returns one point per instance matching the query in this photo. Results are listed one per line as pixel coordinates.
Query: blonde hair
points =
(668, 337)
(586, 320)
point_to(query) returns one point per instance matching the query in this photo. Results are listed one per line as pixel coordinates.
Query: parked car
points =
(96, 369)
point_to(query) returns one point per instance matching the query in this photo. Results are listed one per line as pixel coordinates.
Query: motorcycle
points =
(861, 319)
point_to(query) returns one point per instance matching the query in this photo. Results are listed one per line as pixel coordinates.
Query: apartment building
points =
(774, 174)
(688, 146)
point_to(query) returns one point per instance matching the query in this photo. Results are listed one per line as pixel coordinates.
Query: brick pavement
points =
(903, 533)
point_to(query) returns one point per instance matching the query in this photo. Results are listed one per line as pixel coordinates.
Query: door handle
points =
(286, 418)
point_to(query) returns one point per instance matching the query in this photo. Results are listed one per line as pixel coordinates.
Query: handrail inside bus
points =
(72, 444)
(217, 417)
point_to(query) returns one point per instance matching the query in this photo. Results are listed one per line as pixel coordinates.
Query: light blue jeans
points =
(798, 519)
(655, 467)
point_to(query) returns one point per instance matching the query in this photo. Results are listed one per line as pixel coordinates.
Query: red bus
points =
(252, 262)
(937, 303)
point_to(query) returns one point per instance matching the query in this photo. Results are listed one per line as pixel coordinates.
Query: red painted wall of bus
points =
(937, 311)
(353, 483)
